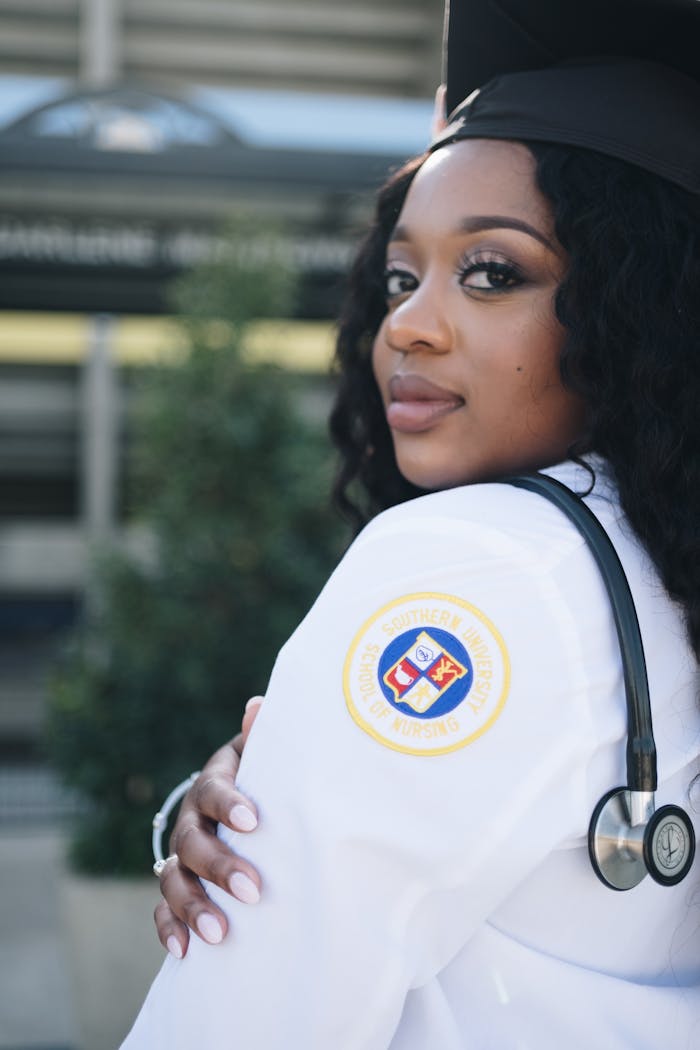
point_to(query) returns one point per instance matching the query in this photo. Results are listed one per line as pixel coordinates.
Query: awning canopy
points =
(105, 195)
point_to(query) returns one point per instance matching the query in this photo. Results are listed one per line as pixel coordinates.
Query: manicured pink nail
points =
(242, 818)
(174, 946)
(244, 888)
(209, 928)
(254, 701)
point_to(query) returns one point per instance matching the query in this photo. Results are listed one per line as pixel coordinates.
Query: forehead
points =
(477, 177)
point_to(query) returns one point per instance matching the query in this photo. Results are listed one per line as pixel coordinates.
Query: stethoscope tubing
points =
(641, 749)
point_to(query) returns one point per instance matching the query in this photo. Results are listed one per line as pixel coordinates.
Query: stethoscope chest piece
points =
(669, 845)
(628, 839)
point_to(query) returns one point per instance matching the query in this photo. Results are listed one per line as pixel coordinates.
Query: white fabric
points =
(447, 900)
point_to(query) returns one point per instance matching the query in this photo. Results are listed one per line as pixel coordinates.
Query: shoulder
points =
(491, 564)
(487, 563)
(497, 519)
(460, 616)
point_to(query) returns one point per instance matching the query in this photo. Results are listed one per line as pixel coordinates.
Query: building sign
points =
(65, 262)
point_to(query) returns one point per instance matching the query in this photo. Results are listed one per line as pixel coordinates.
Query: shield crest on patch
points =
(423, 673)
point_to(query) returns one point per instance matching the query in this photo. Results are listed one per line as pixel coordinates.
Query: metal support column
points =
(100, 433)
(101, 32)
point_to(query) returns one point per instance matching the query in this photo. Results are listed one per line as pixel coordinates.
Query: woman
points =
(520, 304)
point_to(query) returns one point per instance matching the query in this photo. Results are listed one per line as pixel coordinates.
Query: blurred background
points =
(182, 184)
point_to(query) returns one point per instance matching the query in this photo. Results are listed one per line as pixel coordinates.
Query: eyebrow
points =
(479, 223)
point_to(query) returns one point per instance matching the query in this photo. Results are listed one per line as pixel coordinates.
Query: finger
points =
(213, 861)
(214, 795)
(187, 905)
(252, 709)
(172, 934)
(200, 852)
(251, 713)
(439, 121)
(217, 798)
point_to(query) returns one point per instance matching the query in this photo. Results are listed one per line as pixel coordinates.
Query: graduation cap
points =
(621, 77)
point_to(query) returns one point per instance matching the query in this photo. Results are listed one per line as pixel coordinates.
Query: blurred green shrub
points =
(233, 482)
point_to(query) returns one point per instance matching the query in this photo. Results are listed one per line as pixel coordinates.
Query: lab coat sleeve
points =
(382, 848)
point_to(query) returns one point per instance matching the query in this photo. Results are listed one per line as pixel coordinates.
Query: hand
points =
(196, 851)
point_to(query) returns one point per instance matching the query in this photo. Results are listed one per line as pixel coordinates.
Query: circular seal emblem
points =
(427, 674)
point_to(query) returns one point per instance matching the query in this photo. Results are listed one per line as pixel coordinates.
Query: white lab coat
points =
(426, 882)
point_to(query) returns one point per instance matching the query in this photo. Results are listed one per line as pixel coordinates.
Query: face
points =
(467, 357)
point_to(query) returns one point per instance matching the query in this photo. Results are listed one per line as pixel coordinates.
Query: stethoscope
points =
(627, 836)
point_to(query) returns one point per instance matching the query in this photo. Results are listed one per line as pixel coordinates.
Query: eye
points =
(398, 282)
(489, 275)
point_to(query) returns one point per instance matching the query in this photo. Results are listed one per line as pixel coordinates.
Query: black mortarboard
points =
(621, 77)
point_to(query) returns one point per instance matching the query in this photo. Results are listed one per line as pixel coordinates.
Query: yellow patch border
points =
(359, 637)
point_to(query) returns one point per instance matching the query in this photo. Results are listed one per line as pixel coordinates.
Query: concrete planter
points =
(113, 953)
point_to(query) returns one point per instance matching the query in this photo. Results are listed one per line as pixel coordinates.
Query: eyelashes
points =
(477, 272)
(486, 272)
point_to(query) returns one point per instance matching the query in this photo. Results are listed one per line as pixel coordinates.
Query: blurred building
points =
(129, 129)
(385, 47)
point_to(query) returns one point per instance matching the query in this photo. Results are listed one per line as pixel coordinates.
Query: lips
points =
(416, 403)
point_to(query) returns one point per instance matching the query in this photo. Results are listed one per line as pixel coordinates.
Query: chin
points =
(434, 478)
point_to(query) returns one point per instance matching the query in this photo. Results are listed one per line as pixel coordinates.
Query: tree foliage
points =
(232, 481)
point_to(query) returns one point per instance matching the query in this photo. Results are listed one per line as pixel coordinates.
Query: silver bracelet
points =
(160, 821)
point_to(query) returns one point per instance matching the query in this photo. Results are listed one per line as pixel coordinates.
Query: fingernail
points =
(254, 701)
(243, 818)
(244, 888)
(174, 946)
(209, 928)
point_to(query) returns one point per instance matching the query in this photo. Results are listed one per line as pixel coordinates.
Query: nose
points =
(419, 322)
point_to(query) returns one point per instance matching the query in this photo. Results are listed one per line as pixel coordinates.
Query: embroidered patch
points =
(427, 674)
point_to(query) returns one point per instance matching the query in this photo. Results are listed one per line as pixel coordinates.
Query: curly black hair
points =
(630, 305)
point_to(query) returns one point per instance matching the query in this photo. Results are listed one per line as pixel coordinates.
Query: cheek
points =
(549, 407)
(539, 359)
